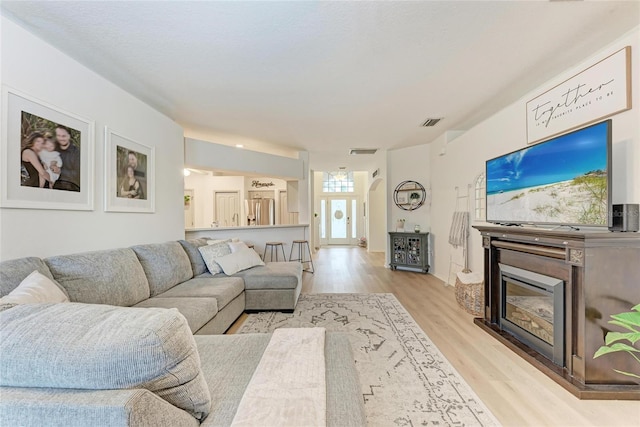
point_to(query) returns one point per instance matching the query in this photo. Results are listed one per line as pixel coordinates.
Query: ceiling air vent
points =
(355, 151)
(430, 122)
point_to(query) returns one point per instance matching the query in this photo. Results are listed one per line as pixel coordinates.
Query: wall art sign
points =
(258, 184)
(47, 155)
(600, 91)
(129, 175)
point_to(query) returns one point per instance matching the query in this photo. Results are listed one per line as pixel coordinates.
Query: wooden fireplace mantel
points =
(601, 271)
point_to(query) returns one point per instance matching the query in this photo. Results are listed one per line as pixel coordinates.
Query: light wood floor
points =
(517, 393)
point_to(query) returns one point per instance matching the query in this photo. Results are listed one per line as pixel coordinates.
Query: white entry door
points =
(227, 208)
(342, 220)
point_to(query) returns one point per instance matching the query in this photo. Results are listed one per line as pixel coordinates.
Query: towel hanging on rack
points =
(459, 228)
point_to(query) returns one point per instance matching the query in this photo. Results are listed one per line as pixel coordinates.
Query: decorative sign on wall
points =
(258, 184)
(600, 91)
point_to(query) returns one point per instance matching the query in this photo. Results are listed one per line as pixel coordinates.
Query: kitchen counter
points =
(245, 227)
(256, 235)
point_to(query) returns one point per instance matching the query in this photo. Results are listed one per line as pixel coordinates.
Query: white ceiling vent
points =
(356, 151)
(430, 122)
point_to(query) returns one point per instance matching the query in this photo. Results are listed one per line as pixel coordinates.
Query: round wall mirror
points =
(409, 195)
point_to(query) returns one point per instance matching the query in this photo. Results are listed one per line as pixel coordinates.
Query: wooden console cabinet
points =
(410, 250)
(601, 271)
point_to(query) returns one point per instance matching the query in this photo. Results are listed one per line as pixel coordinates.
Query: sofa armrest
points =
(21, 406)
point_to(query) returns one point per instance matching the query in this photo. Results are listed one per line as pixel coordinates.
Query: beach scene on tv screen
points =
(561, 181)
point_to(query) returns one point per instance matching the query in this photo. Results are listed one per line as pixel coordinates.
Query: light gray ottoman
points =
(274, 286)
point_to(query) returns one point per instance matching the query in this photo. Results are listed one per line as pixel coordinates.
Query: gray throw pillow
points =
(211, 253)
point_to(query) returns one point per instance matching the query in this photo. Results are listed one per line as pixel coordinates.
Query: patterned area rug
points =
(405, 379)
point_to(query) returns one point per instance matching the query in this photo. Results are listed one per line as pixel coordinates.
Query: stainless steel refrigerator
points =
(260, 211)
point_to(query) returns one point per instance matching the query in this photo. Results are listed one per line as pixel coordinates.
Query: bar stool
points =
(300, 254)
(272, 246)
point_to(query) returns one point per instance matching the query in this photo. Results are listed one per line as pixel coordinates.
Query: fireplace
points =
(532, 310)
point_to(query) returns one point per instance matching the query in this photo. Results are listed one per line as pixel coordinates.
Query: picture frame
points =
(595, 93)
(56, 152)
(129, 174)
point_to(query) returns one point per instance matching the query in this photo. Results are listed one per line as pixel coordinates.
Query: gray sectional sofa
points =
(117, 297)
(165, 275)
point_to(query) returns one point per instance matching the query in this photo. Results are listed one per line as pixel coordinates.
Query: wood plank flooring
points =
(517, 393)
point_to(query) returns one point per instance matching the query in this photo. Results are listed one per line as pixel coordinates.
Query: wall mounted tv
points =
(563, 181)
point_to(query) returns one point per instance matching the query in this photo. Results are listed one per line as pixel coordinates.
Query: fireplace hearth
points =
(532, 310)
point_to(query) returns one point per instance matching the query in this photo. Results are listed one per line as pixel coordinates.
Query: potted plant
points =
(187, 200)
(623, 341)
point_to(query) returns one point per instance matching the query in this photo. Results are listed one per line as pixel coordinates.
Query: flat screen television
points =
(563, 181)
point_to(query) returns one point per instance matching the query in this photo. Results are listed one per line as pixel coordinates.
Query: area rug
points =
(406, 381)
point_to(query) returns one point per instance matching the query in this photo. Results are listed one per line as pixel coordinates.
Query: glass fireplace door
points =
(532, 310)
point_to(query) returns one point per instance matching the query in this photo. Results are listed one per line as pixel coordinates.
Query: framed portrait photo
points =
(129, 175)
(47, 155)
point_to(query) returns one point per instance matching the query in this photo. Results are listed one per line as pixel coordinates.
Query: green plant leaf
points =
(612, 337)
(623, 324)
(629, 374)
(615, 348)
(631, 318)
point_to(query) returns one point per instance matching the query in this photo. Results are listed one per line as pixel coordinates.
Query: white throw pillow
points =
(211, 253)
(236, 246)
(217, 241)
(243, 259)
(34, 289)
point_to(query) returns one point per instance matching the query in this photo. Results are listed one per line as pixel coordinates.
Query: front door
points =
(341, 220)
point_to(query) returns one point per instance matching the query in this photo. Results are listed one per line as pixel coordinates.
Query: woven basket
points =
(470, 293)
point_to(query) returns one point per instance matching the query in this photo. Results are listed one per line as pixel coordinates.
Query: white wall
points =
(203, 187)
(505, 132)
(209, 155)
(409, 164)
(34, 67)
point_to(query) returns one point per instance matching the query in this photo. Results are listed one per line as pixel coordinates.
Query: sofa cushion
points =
(273, 275)
(197, 311)
(113, 277)
(211, 253)
(223, 289)
(99, 347)
(14, 271)
(165, 264)
(239, 261)
(191, 248)
(21, 406)
(35, 288)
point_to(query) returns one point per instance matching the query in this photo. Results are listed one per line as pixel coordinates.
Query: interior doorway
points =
(226, 208)
(189, 212)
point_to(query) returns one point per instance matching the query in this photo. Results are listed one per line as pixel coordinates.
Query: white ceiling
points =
(327, 76)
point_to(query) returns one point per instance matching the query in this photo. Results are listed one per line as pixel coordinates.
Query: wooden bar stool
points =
(300, 258)
(273, 246)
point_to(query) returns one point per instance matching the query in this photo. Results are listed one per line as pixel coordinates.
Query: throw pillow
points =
(236, 246)
(211, 253)
(102, 347)
(35, 288)
(241, 260)
(217, 241)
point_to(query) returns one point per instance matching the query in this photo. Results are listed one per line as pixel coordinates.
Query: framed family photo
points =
(47, 155)
(129, 174)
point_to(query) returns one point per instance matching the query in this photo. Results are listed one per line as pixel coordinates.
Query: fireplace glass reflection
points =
(532, 310)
